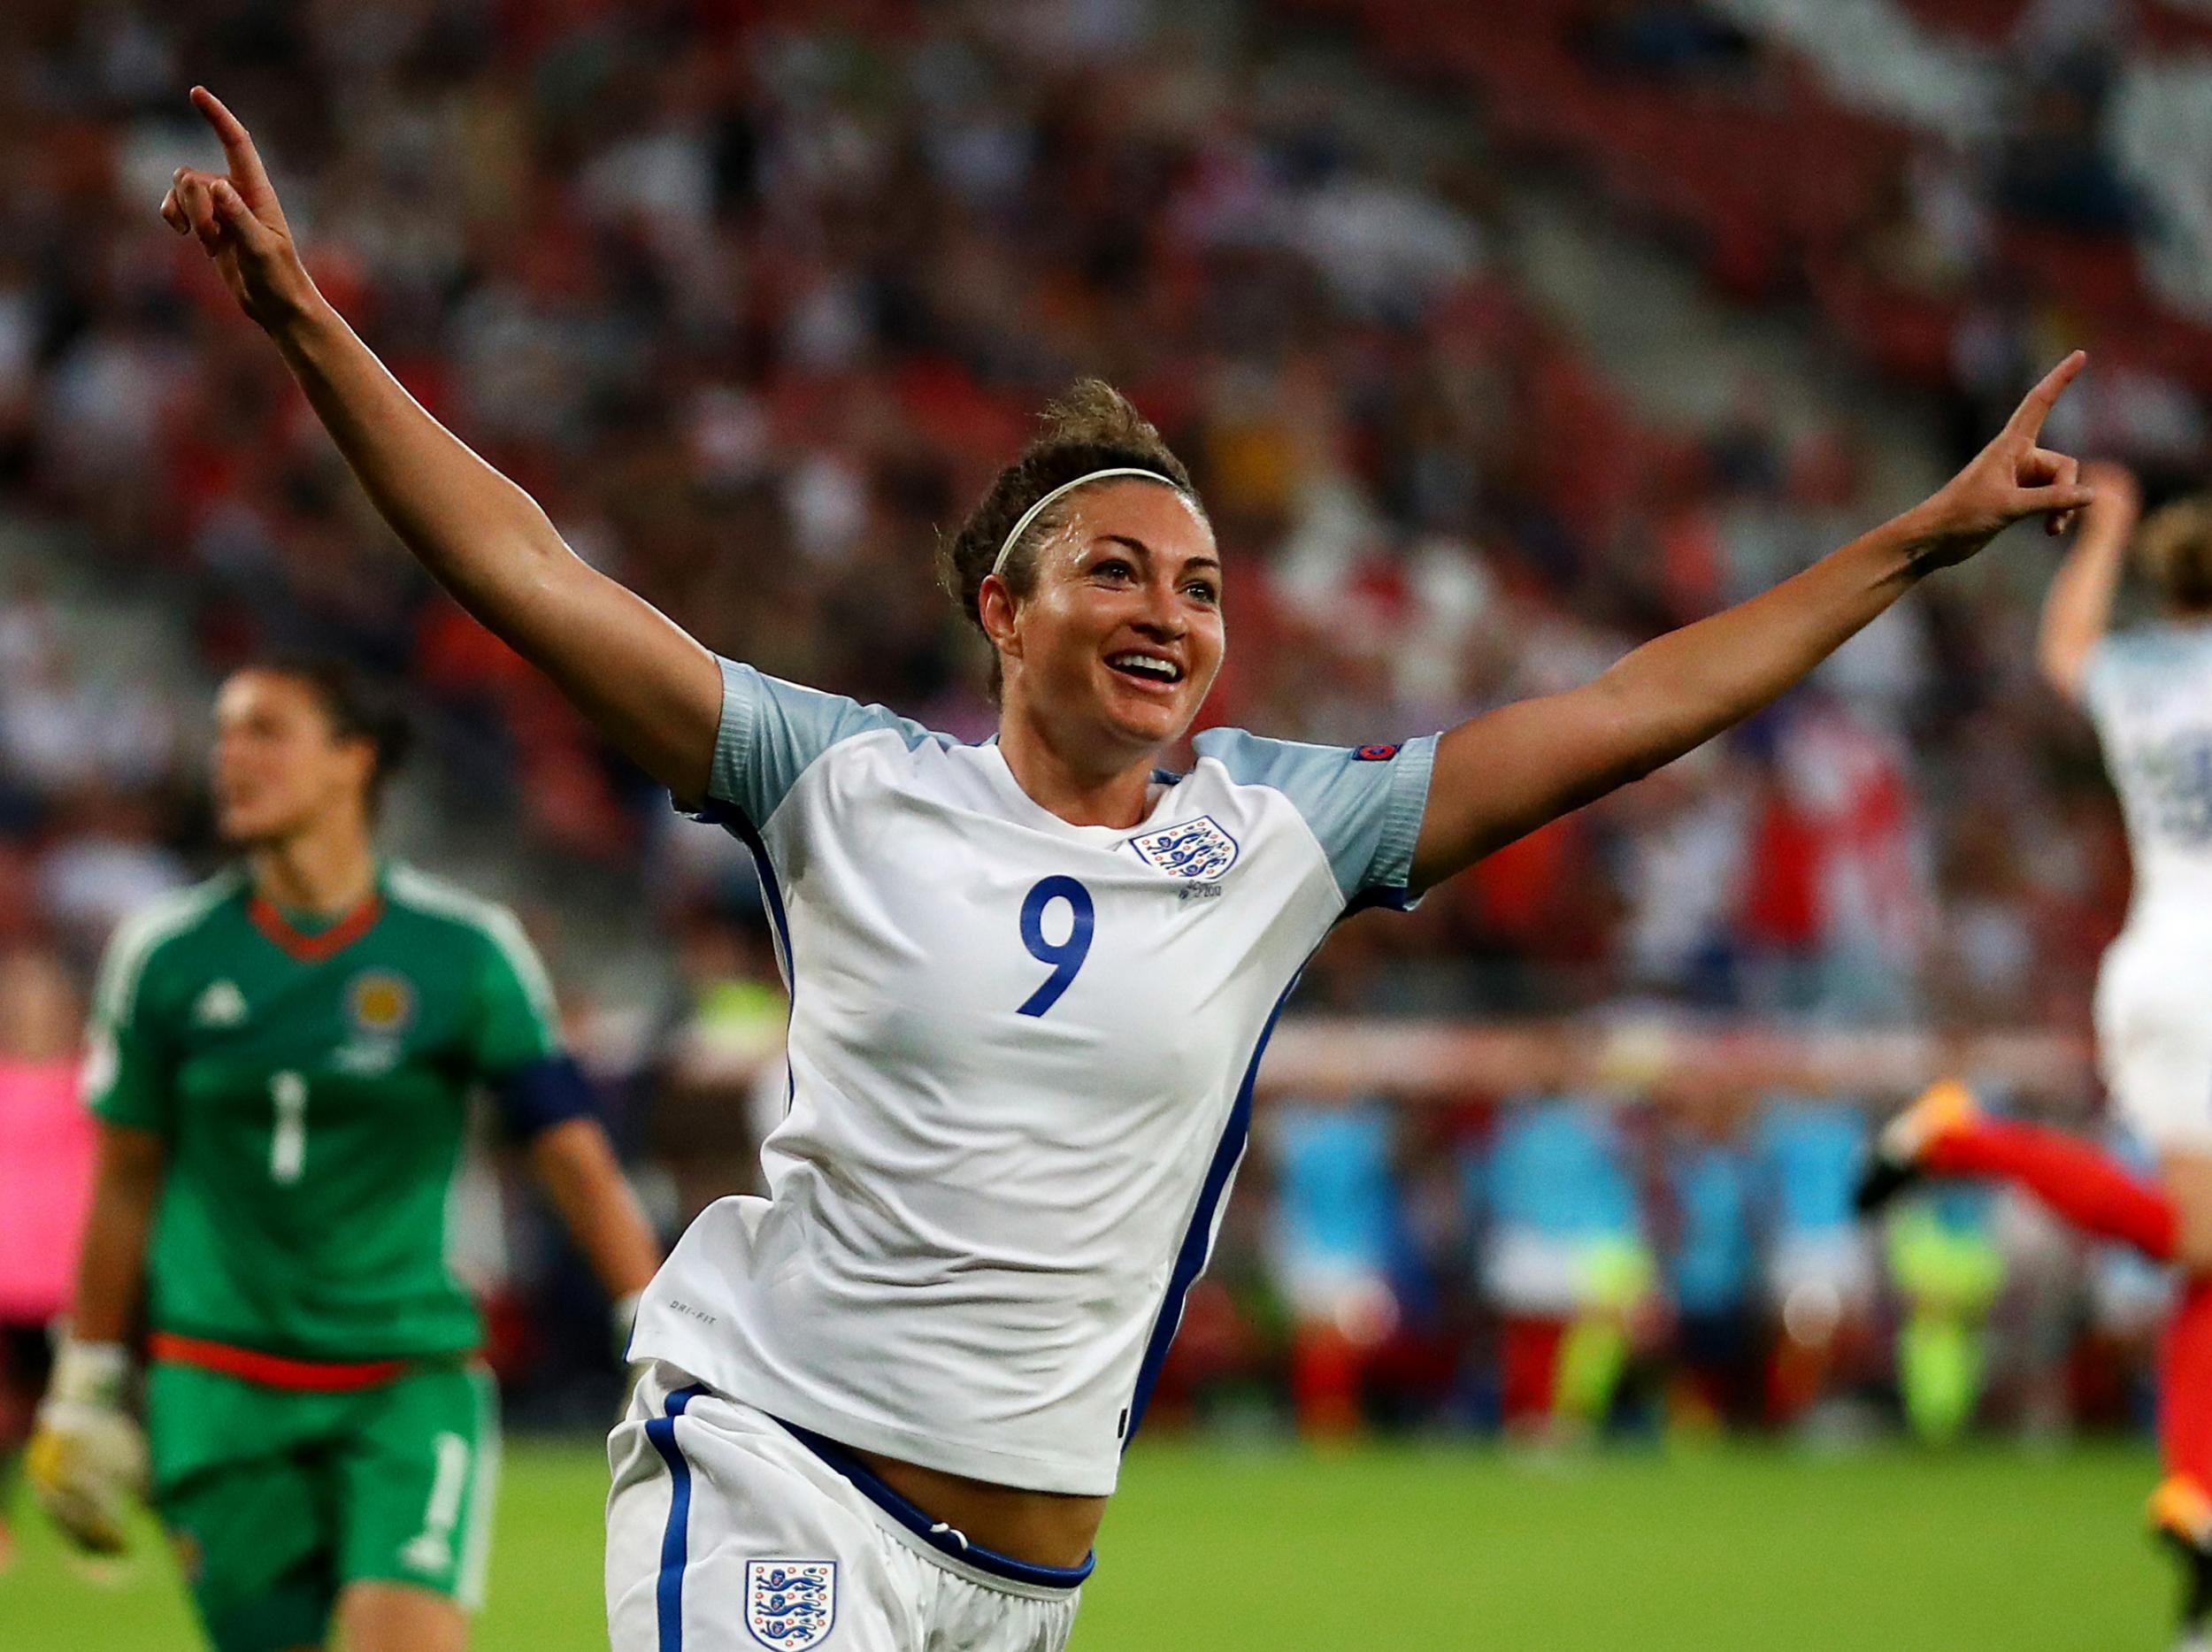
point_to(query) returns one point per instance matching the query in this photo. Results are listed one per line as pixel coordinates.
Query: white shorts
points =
(1536, 1274)
(726, 1533)
(2154, 1040)
(1832, 1263)
(1343, 1290)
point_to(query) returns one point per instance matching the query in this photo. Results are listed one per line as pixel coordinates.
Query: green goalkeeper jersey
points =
(312, 1089)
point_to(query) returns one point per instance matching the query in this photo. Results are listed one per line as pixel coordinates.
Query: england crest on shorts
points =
(1196, 850)
(790, 1604)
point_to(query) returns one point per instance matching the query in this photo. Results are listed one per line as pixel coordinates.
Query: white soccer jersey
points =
(2150, 693)
(1021, 1060)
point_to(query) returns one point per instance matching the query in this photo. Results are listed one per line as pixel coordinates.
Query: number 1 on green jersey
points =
(288, 1137)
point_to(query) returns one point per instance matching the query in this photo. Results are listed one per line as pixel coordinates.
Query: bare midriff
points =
(1044, 1528)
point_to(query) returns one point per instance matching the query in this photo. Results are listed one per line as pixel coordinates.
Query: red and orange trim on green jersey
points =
(274, 1370)
(322, 944)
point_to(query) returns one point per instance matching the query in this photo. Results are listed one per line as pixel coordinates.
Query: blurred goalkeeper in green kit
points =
(282, 1061)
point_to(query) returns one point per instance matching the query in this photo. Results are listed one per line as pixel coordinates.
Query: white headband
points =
(1035, 511)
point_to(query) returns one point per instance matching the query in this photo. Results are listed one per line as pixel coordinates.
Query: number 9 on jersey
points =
(1066, 957)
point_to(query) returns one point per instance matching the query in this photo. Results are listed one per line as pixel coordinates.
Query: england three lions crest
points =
(790, 1604)
(1196, 850)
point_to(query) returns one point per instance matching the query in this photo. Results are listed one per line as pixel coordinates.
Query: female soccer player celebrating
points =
(1030, 980)
(2149, 692)
(281, 1066)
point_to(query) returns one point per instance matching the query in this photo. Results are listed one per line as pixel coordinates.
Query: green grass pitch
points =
(1436, 1548)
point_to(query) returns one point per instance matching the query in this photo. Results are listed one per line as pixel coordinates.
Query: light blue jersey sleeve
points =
(1362, 803)
(773, 731)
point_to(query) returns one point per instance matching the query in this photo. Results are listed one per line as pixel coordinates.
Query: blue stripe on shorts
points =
(675, 1542)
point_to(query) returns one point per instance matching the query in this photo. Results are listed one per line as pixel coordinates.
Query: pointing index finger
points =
(245, 161)
(2028, 419)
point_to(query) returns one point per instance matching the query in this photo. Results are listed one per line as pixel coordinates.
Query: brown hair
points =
(357, 708)
(1092, 427)
(2175, 547)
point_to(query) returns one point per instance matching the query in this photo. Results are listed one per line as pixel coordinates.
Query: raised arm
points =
(651, 688)
(1507, 772)
(2078, 608)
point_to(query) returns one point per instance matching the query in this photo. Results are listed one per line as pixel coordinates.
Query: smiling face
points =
(280, 765)
(1115, 646)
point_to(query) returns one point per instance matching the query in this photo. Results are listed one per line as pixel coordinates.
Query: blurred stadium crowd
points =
(754, 294)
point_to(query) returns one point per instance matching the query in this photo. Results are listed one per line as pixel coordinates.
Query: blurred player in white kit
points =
(2148, 689)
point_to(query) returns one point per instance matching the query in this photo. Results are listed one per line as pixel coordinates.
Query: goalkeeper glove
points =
(87, 1459)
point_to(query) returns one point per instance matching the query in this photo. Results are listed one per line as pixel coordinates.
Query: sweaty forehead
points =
(1157, 516)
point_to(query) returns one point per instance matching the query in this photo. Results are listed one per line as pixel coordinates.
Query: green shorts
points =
(277, 1500)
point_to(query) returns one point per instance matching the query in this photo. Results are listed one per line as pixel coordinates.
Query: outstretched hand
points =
(2012, 478)
(237, 220)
